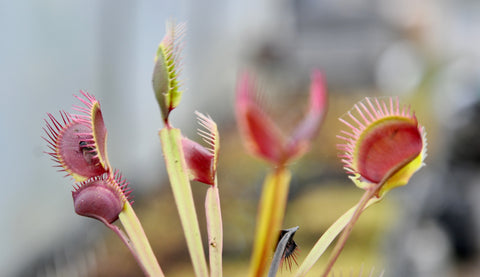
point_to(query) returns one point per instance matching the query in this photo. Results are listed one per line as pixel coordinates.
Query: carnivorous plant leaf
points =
(101, 197)
(78, 142)
(167, 68)
(385, 141)
(263, 138)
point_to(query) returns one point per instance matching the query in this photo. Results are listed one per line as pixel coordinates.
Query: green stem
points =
(182, 192)
(270, 218)
(327, 238)
(372, 195)
(141, 246)
(360, 207)
(215, 230)
(126, 241)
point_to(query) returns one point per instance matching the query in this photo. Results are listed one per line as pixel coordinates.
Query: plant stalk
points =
(270, 218)
(362, 204)
(327, 238)
(129, 245)
(215, 229)
(182, 192)
(139, 241)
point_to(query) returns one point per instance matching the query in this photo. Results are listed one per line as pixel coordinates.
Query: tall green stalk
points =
(139, 241)
(270, 218)
(215, 230)
(182, 192)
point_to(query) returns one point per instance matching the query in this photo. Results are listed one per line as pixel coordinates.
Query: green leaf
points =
(270, 218)
(167, 69)
(327, 238)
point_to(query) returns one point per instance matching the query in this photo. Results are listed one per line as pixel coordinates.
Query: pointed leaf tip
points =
(318, 92)
(209, 133)
(261, 135)
(202, 161)
(310, 125)
(167, 69)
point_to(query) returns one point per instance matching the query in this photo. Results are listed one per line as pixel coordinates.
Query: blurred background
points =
(426, 52)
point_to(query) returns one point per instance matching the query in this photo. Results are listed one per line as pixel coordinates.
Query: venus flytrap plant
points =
(264, 139)
(78, 146)
(186, 159)
(167, 69)
(384, 147)
(202, 167)
(213, 212)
